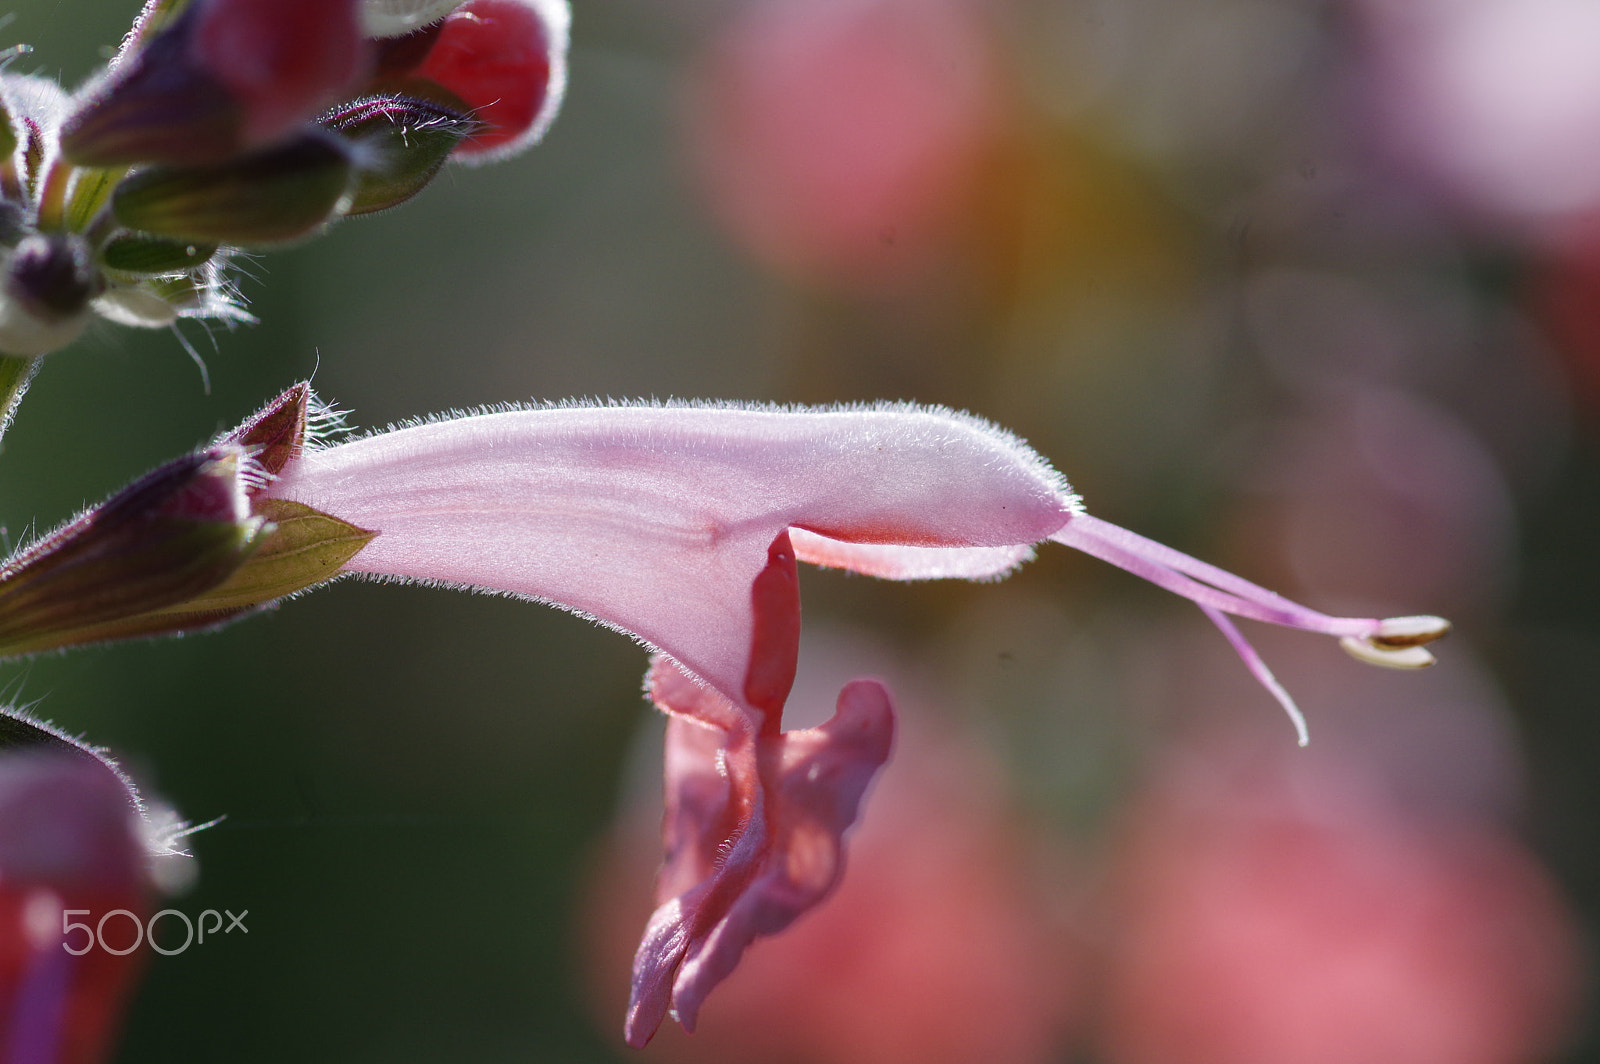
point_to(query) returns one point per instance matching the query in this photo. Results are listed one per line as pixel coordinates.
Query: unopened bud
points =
(270, 197)
(220, 78)
(49, 280)
(158, 105)
(66, 821)
(401, 142)
(74, 838)
(170, 536)
(21, 733)
(505, 60)
(283, 60)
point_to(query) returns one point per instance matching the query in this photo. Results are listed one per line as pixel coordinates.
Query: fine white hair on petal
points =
(1008, 448)
(656, 518)
(325, 423)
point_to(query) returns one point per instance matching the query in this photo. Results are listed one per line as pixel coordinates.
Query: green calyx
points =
(400, 143)
(269, 197)
(303, 548)
(140, 253)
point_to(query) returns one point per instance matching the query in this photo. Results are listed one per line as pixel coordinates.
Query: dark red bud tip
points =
(504, 59)
(277, 433)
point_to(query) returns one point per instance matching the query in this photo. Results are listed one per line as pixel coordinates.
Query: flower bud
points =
(174, 534)
(23, 734)
(157, 106)
(298, 547)
(401, 144)
(270, 197)
(504, 59)
(49, 280)
(276, 433)
(222, 78)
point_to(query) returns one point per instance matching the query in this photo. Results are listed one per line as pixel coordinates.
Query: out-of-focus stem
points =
(15, 375)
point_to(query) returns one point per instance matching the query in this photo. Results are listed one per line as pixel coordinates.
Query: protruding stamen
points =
(1370, 651)
(1397, 632)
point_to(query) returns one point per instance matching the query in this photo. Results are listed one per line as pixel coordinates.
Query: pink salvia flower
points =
(681, 524)
(656, 519)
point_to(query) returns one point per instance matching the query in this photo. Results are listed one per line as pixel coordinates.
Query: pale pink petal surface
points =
(657, 519)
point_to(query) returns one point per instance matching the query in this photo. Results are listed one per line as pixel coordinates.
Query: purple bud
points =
(170, 536)
(52, 273)
(48, 281)
(222, 78)
(73, 842)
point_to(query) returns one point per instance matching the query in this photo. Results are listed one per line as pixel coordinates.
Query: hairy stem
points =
(15, 376)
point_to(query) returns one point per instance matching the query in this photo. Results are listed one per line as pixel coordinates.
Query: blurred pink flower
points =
(837, 139)
(1500, 98)
(69, 840)
(1289, 917)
